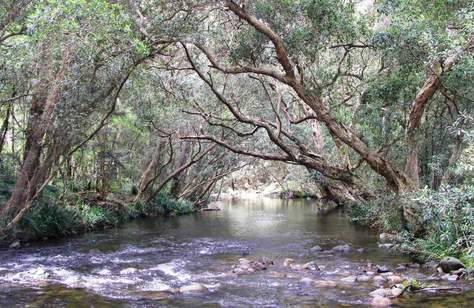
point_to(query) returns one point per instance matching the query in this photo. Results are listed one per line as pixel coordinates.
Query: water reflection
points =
(134, 264)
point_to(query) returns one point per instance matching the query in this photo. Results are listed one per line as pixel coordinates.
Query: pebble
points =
(386, 246)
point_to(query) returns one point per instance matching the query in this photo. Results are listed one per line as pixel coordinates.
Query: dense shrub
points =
(48, 220)
(51, 219)
(446, 217)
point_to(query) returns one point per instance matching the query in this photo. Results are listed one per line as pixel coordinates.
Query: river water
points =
(134, 265)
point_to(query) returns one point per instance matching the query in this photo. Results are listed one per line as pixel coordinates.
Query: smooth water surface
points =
(133, 264)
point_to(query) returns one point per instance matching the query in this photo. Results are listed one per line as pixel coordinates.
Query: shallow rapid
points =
(141, 263)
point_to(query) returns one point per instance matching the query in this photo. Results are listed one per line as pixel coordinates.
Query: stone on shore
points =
(450, 264)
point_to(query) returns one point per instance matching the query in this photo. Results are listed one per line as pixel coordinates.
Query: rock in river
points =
(193, 287)
(249, 266)
(349, 279)
(342, 248)
(379, 279)
(316, 248)
(288, 261)
(128, 271)
(381, 293)
(382, 269)
(380, 302)
(394, 279)
(363, 278)
(15, 245)
(449, 264)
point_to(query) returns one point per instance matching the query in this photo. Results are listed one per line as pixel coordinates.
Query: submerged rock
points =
(193, 287)
(349, 279)
(382, 269)
(325, 283)
(449, 277)
(386, 245)
(128, 271)
(15, 245)
(342, 248)
(312, 266)
(379, 301)
(450, 264)
(363, 278)
(382, 292)
(249, 266)
(394, 279)
(316, 248)
(379, 279)
(306, 280)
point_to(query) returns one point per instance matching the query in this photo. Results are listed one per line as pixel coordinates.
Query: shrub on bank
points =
(48, 219)
(443, 222)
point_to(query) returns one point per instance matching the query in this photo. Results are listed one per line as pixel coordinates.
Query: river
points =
(135, 264)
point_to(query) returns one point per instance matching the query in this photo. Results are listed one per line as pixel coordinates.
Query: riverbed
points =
(145, 262)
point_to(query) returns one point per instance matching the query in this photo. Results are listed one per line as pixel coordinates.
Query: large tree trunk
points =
(4, 129)
(149, 171)
(429, 88)
(29, 179)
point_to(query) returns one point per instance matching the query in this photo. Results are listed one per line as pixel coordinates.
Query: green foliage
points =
(448, 219)
(51, 220)
(167, 204)
(414, 284)
(381, 213)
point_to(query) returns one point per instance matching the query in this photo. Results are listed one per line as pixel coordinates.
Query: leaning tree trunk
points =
(429, 88)
(29, 178)
(396, 179)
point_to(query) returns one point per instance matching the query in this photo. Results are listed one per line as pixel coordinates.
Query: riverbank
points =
(53, 218)
(440, 223)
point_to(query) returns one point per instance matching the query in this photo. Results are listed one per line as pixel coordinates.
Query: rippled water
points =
(134, 264)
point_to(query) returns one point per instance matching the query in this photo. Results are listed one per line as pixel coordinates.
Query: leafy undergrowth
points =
(49, 219)
(442, 222)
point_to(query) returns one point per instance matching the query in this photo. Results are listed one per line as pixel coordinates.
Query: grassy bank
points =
(50, 218)
(441, 222)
